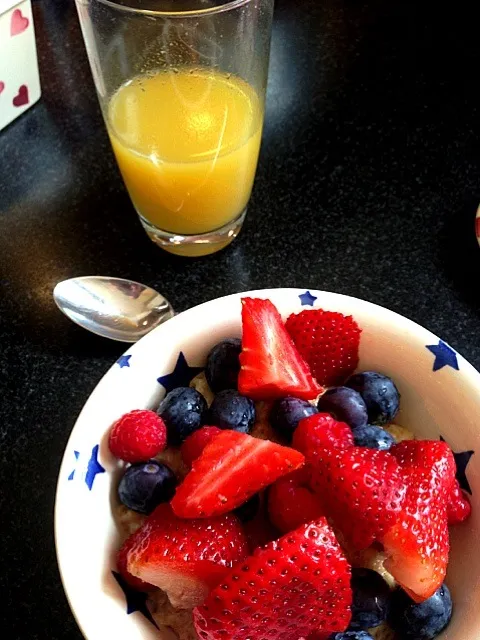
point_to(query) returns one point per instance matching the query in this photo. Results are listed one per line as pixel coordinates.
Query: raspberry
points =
(138, 436)
(193, 446)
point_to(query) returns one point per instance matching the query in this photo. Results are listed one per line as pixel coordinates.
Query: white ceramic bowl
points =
(440, 397)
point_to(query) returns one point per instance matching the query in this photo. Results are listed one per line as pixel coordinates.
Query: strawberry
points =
(318, 432)
(122, 563)
(418, 544)
(292, 503)
(290, 588)
(231, 468)
(185, 558)
(196, 442)
(458, 508)
(362, 491)
(138, 436)
(328, 341)
(271, 366)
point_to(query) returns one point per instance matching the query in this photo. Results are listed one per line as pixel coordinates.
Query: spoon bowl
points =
(113, 308)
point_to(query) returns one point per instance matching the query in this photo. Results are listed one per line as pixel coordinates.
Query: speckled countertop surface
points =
(368, 183)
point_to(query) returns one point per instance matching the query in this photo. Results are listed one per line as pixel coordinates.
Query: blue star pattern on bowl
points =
(135, 600)
(462, 458)
(307, 299)
(93, 467)
(72, 474)
(445, 356)
(180, 376)
(124, 361)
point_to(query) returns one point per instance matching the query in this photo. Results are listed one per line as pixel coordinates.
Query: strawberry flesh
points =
(328, 341)
(292, 587)
(185, 558)
(418, 544)
(231, 468)
(271, 366)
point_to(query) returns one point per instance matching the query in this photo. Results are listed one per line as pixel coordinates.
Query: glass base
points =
(196, 245)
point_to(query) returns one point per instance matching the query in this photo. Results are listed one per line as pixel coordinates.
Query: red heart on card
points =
(22, 96)
(2, 86)
(18, 23)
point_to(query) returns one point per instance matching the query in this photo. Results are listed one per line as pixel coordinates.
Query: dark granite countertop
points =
(367, 185)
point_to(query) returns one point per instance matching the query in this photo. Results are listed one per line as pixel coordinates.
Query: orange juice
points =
(187, 145)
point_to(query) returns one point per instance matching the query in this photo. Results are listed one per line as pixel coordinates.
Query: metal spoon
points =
(112, 307)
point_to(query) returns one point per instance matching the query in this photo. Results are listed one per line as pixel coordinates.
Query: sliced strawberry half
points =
(418, 544)
(231, 468)
(290, 588)
(362, 491)
(271, 366)
(185, 558)
(328, 341)
(122, 565)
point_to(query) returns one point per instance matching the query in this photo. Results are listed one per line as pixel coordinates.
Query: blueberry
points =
(351, 635)
(230, 410)
(184, 411)
(145, 485)
(249, 509)
(423, 620)
(379, 393)
(373, 437)
(345, 405)
(287, 412)
(371, 597)
(223, 365)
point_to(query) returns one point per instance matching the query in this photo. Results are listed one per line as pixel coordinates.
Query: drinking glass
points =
(181, 84)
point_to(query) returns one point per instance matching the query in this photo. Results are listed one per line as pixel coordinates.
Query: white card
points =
(19, 79)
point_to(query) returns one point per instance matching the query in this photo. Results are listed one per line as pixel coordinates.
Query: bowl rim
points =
(396, 319)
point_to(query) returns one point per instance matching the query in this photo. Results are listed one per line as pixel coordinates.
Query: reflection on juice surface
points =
(187, 145)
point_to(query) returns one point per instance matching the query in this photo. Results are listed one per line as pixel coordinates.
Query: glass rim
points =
(225, 6)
